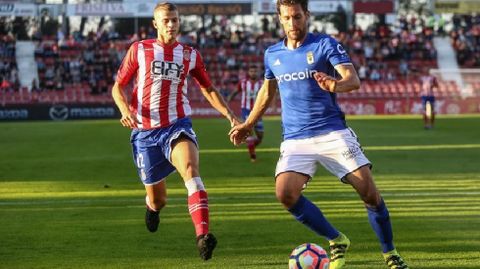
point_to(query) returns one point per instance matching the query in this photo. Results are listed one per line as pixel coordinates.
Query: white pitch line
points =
(242, 197)
(369, 148)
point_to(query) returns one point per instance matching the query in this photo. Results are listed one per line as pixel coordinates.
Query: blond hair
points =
(165, 6)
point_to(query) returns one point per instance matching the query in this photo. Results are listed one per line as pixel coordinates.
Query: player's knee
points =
(158, 202)
(190, 171)
(288, 199)
(371, 198)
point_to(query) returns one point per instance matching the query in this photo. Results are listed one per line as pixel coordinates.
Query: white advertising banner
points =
(145, 10)
(18, 10)
(327, 6)
(193, 1)
(266, 6)
(323, 6)
(101, 9)
(142, 10)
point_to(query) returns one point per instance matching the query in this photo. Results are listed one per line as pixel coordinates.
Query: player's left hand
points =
(129, 120)
(325, 81)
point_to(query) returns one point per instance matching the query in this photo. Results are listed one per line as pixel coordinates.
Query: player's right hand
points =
(129, 120)
(234, 121)
(325, 81)
(239, 133)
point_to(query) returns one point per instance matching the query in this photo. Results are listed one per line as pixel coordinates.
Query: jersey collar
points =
(174, 44)
(307, 40)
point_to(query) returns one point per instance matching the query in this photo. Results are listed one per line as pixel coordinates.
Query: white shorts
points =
(339, 152)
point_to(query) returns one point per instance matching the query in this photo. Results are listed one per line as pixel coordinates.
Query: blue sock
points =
(380, 222)
(311, 216)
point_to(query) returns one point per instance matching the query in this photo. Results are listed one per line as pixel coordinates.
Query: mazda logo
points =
(58, 112)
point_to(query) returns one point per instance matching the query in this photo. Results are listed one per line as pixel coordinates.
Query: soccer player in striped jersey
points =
(248, 88)
(308, 71)
(162, 138)
(429, 85)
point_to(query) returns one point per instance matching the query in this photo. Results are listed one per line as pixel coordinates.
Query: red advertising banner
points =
(373, 7)
(361, 106)
(382, 106)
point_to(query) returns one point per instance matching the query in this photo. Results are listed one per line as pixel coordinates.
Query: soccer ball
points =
(308, 256)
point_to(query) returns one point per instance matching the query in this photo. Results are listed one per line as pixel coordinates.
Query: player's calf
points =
(251, 143)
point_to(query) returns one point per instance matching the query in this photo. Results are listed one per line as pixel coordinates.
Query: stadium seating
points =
(82, 71)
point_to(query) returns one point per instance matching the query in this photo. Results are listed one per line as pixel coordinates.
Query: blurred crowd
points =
(91, 60)
(8, 64)
(380, 53)
(465, 39)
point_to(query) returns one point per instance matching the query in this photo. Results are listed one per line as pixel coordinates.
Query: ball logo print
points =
(58, 112)
(308, 256)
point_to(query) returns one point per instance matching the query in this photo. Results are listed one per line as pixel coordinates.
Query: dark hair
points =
(303, 3)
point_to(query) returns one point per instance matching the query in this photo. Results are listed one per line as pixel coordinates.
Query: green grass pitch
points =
(70, 198)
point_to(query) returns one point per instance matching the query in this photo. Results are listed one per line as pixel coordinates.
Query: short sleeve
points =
(335, 52)
(268, 72)
(199, 72)
(129, 65)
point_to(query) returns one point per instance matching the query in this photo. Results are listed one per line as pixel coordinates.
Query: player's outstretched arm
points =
(348, 82)
(128, 118)
(231, 96)
(216, 100)
(266, 94)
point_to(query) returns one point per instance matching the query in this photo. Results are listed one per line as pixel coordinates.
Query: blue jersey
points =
(307, 110)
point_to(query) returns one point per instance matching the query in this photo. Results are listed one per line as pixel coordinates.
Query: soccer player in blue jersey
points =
(308, 70)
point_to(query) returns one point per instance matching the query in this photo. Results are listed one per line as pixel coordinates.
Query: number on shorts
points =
(140, 162)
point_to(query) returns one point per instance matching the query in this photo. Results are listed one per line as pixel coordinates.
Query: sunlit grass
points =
(70, 198)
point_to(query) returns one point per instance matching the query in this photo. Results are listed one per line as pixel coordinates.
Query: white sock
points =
(193, 185)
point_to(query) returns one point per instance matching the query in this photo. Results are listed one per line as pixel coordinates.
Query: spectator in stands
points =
(375, 75)
(35, 87)
(403, 68)
(265, 24)
(15, 80)
(231, 62)
(221, 55)
(390, 75)
(49, 78)
(465, 39)
(234, 40)
(5, 85)
(59, 82)
(362, 72)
